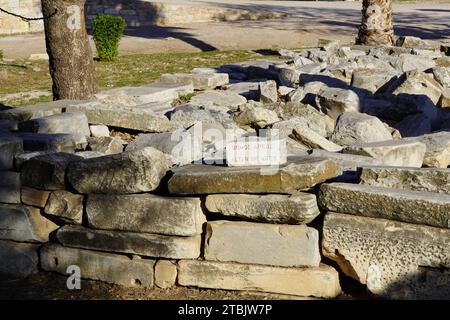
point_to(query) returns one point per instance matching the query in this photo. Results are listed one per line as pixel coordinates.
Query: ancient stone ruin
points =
(269, 176)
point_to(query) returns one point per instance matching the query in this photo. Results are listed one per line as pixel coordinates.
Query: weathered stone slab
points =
(256, 151)
(260, 243)
(34, 197)
(166, 273)
(107, 267)
(200, 81)
(37, 111)
(24, 224)
(444, 102)
(392, 153)
(354, 127)
(298, 208)
(145, 244)
(123, 117)
(9, 148)
(402, 205)
(61, 142)
(181, 145)
(255, 117)
(10, 187)
(74, 123)
(335, 101)
(247, 89)
(321, 281)
(146, 213)
(127, 172)
(47, 172)
(299, 173)
(20, 159)
(312, 140)
(347, 161)
(437, 153)
(424, 179)
(155, 92)
(219, 98)
(394, 259)
(66, 206)
(18, 260)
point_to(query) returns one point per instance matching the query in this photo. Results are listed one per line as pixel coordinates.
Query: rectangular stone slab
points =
(34, 197)
(66, 206)
(107, 267)
(394, 259)
(259, 243)
(18, 260)
(320, 281)
(298, 208)
(423, 179)
(200, 81)
(298, 173)
(146, 213)
(24, 224)
(123, 117)
(47, 172)
(402, 205)
(10, 146)
(37, 111)
(145, 244)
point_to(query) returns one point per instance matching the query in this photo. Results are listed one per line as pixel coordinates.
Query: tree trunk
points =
(70, 56)
(376, 26)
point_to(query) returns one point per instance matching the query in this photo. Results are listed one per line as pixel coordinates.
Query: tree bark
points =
(376, 26)
(70, 55)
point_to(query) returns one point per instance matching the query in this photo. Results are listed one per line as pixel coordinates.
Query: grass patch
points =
(130, 70)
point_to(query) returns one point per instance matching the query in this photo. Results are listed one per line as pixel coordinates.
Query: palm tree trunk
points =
(376, 26)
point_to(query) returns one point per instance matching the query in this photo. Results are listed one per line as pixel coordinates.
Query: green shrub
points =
(108, 31)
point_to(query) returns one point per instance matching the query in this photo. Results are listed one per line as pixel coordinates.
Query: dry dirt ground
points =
(309, 21)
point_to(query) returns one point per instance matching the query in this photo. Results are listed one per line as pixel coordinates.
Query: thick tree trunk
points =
(70, 55)
(376, 26)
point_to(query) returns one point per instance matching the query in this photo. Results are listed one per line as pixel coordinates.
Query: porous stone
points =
(18, 260)
(247, 89)
(60, 142)
(106, 145)
(392, 153)
(299, 173)
(34, 197)
(259, 243)
(371, 79)
(106, 267)
(335, 101)
(417, 43)
(442, 75)
(99, 130)
(123, 117)
(127, 172)
(395, 260)
(219, 98)
(10, 187)
(378, 202)
(47, 172)
(145, 244)
(322, 281)
(298, 208)
(66, 206)
(24, 224)
(200, 81)
(444, 102)
(312, 140)
(146, 213)
(354, 127)
(166, 273)
(423, 179)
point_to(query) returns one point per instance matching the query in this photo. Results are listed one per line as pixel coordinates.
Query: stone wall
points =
(136, 13)
(26, 8)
